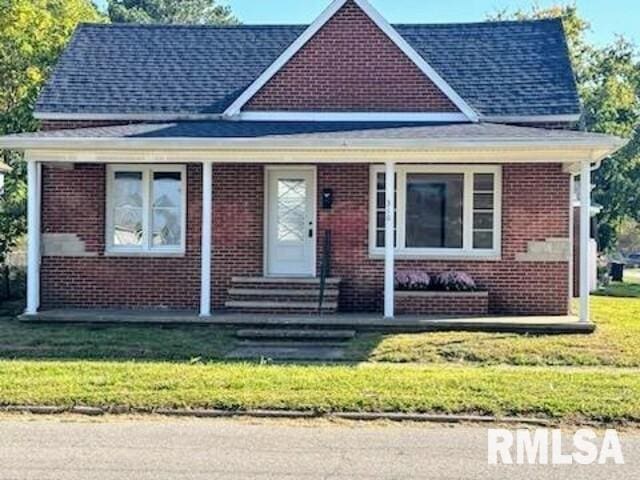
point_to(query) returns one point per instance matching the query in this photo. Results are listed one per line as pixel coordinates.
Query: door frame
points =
(265, 220)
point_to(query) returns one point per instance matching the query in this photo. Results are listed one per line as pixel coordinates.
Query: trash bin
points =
(617, 271)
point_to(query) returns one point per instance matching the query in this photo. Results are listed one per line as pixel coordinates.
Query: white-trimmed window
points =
(146, 209)
(440, 210)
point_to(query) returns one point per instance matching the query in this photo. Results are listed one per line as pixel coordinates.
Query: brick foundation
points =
(442, 303)
(535, 199)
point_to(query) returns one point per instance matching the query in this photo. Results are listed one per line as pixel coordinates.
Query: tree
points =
(200, 12)
(629, 237)
(32, 36)
(608, 81)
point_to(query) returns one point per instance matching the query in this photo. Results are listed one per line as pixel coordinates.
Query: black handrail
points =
(325, 267)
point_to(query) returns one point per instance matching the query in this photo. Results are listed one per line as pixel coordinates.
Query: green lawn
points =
(102, 342)
(567, 394)
(616, 342)
(568, 377)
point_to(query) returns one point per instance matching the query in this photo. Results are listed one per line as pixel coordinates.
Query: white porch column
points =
(33, 237)
(389, 239)
(585, 234)
(205, 247)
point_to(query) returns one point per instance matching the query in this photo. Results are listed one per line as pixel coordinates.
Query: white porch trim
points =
(389, 239)
(34, 174)
(205, 247)
(585, 235)
(316, 116)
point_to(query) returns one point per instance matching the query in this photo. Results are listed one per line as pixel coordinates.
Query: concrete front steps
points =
(281, 295)
(291, 344)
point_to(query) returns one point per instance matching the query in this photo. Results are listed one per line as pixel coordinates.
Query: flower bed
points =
(448, 293)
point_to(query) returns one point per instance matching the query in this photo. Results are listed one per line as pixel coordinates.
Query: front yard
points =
(566, 377)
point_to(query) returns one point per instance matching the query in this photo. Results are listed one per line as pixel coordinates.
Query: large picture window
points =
(440, 210)
(145, 209)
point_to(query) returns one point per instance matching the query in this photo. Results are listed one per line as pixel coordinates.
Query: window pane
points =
(483, 240)
(127, 213)
(380, 208)
(167, 209)
(483, 221)
(167, 189)
(291, 210)
(434, 206)
(483, 181)
(483, 201)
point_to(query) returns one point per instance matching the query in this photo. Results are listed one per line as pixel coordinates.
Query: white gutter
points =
(608, 143)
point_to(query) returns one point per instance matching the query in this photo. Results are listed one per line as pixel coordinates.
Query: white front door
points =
(291, 218)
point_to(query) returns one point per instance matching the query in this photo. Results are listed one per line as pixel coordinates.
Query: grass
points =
(567, 377)
(616, 342)
(33, 341)
(567, 394)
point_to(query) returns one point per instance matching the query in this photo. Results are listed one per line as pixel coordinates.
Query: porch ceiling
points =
(338, 141)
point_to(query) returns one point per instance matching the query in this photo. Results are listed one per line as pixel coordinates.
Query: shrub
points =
(455, 282)
(412, 280)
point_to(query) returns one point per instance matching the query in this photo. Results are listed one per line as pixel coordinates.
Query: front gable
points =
(351, 60)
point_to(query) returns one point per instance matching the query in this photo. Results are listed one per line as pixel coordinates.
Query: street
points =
(140, 448)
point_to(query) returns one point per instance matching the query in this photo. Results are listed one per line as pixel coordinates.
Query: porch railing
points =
(325, 267)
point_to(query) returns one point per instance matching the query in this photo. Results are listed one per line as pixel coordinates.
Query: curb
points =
(282, 414)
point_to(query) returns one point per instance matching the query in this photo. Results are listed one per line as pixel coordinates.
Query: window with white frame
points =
(440, 210)
(146, 208)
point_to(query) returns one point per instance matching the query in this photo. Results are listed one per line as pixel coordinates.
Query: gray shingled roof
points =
(499, 68)
(224, 129)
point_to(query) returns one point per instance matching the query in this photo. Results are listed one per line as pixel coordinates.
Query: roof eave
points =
(599, 148)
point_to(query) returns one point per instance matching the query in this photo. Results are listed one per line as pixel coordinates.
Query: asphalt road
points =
(159, 448)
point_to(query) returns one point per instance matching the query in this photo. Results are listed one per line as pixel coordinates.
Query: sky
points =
(607, 17)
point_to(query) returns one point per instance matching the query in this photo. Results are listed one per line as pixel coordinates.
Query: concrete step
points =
(296, 334)
(281, 292)
(282, 353)
(270, 305)
(295, 282)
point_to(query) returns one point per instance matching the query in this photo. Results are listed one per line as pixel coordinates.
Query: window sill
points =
(148, 254)
(404, 255)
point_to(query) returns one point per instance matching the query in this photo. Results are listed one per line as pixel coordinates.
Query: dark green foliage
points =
(199, 12)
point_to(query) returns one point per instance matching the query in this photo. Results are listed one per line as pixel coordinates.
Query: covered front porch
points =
(231, 169)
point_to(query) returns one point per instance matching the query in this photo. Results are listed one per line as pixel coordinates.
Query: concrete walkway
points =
(67, 448)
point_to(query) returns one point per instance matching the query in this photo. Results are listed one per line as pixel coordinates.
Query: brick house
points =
(229, 168)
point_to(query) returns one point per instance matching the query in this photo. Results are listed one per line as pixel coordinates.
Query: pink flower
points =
(455, 281)
(412, 280)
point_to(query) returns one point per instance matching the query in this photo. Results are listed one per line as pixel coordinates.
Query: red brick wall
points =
(238, 205)
(350, 64)
(534, 198)
(73, 202)
(442, 303)
(534, 208)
